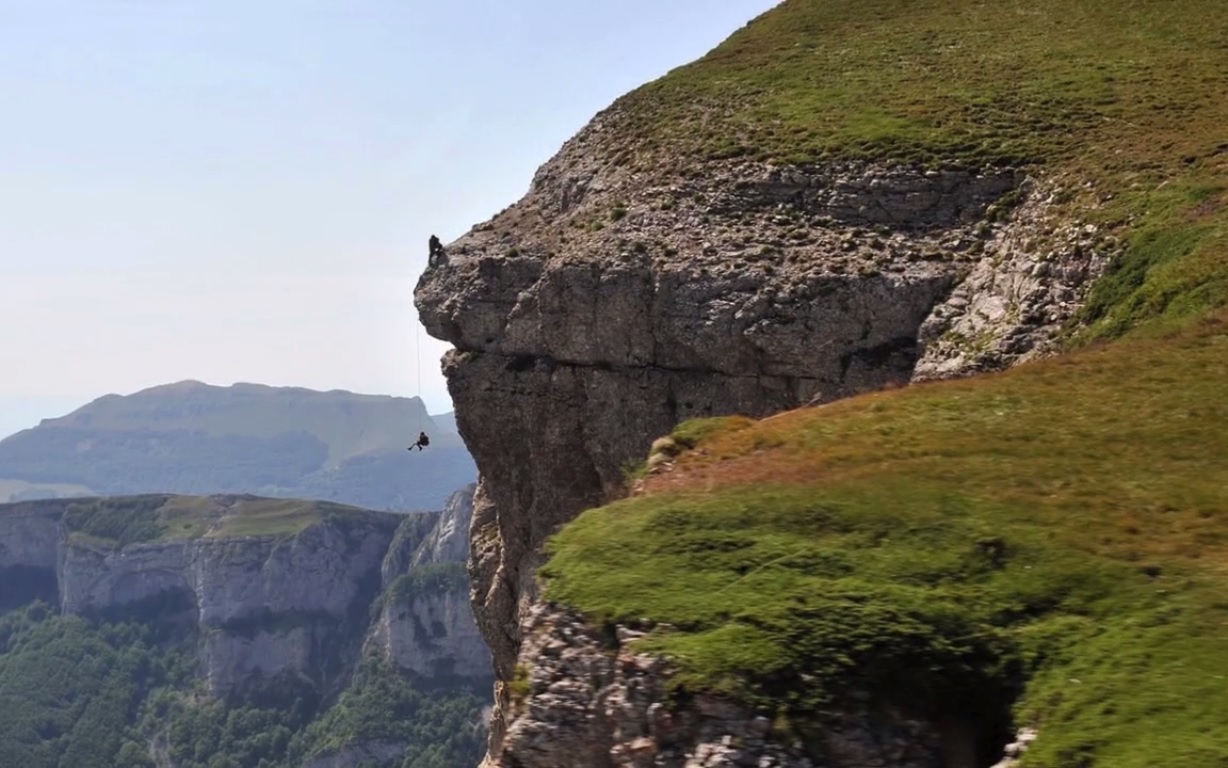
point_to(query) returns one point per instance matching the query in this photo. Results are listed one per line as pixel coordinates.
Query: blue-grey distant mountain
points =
(193, 438)
(446, 422)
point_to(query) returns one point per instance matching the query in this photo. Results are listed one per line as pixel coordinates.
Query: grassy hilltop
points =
(118, 521)
(1048, 545)
(1122, 103)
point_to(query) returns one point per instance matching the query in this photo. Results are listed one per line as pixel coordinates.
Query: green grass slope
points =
(1121, 104)
(122, 520)
(1103, 84)
(1045, 547)
(1053, 539)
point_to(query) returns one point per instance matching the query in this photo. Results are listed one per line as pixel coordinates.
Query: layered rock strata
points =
(579, 698)
(611, 303)
(30, 535)
(266, 606)
(425, 621)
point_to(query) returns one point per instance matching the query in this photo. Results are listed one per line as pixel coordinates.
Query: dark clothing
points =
(423, 441)
(437, 255)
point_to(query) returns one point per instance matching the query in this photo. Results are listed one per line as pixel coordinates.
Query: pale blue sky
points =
(229, 190)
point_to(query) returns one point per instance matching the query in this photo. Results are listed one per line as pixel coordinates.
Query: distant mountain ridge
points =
(352, 424)
(192, 437)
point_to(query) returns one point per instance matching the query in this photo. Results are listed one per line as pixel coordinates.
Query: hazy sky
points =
(228, 190)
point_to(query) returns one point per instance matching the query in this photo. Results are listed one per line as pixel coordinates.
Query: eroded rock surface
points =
(1029, 282)
(611, 303)
(425, 623)
(272, 606)
(579, 699)
(30, 536)
(266, 605)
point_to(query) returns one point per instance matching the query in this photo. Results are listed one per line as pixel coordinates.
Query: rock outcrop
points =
(30, 536)
(611, 303)
(292, 604)
(266, 606)
(425, 623)
(578, 698)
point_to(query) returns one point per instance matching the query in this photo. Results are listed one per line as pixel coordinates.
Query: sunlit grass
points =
(266, 517)
(123, 520)
(1003, 81)
(1120, 103)
(960, 543)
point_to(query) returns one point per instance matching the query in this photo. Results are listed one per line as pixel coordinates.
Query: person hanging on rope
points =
(423, 441)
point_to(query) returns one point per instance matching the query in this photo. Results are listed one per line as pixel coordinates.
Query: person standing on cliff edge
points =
(437, 255)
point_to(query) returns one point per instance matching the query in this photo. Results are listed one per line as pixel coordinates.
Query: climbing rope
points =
(422, 440)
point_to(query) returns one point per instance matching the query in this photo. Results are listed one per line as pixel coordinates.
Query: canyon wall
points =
(293, 604)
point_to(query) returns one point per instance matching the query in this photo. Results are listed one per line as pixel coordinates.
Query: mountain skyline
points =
(18, 414)
(289, 442)
(238, 191)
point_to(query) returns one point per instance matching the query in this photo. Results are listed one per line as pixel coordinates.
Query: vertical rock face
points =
(292, 606)
(95, 579)
(30, 537)
(608, 305)
(279, 600)
(267, 605)
(433, 635)
(448, 540)
(425, 622)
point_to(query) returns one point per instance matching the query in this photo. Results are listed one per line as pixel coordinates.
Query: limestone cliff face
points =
(292, 606)
(425, 622)
(287, 605)
(448, 539)
(266, 605)
(30, 537)
(94, 579)
(609, 304)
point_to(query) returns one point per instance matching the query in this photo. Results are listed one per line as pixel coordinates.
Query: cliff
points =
(277, 590)
(835, 201)
(29, 551)
(425, 623)
(572, 356)
(567, 366)
(602, 347)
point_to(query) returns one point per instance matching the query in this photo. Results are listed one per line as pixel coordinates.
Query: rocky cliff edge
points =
(609, 304)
